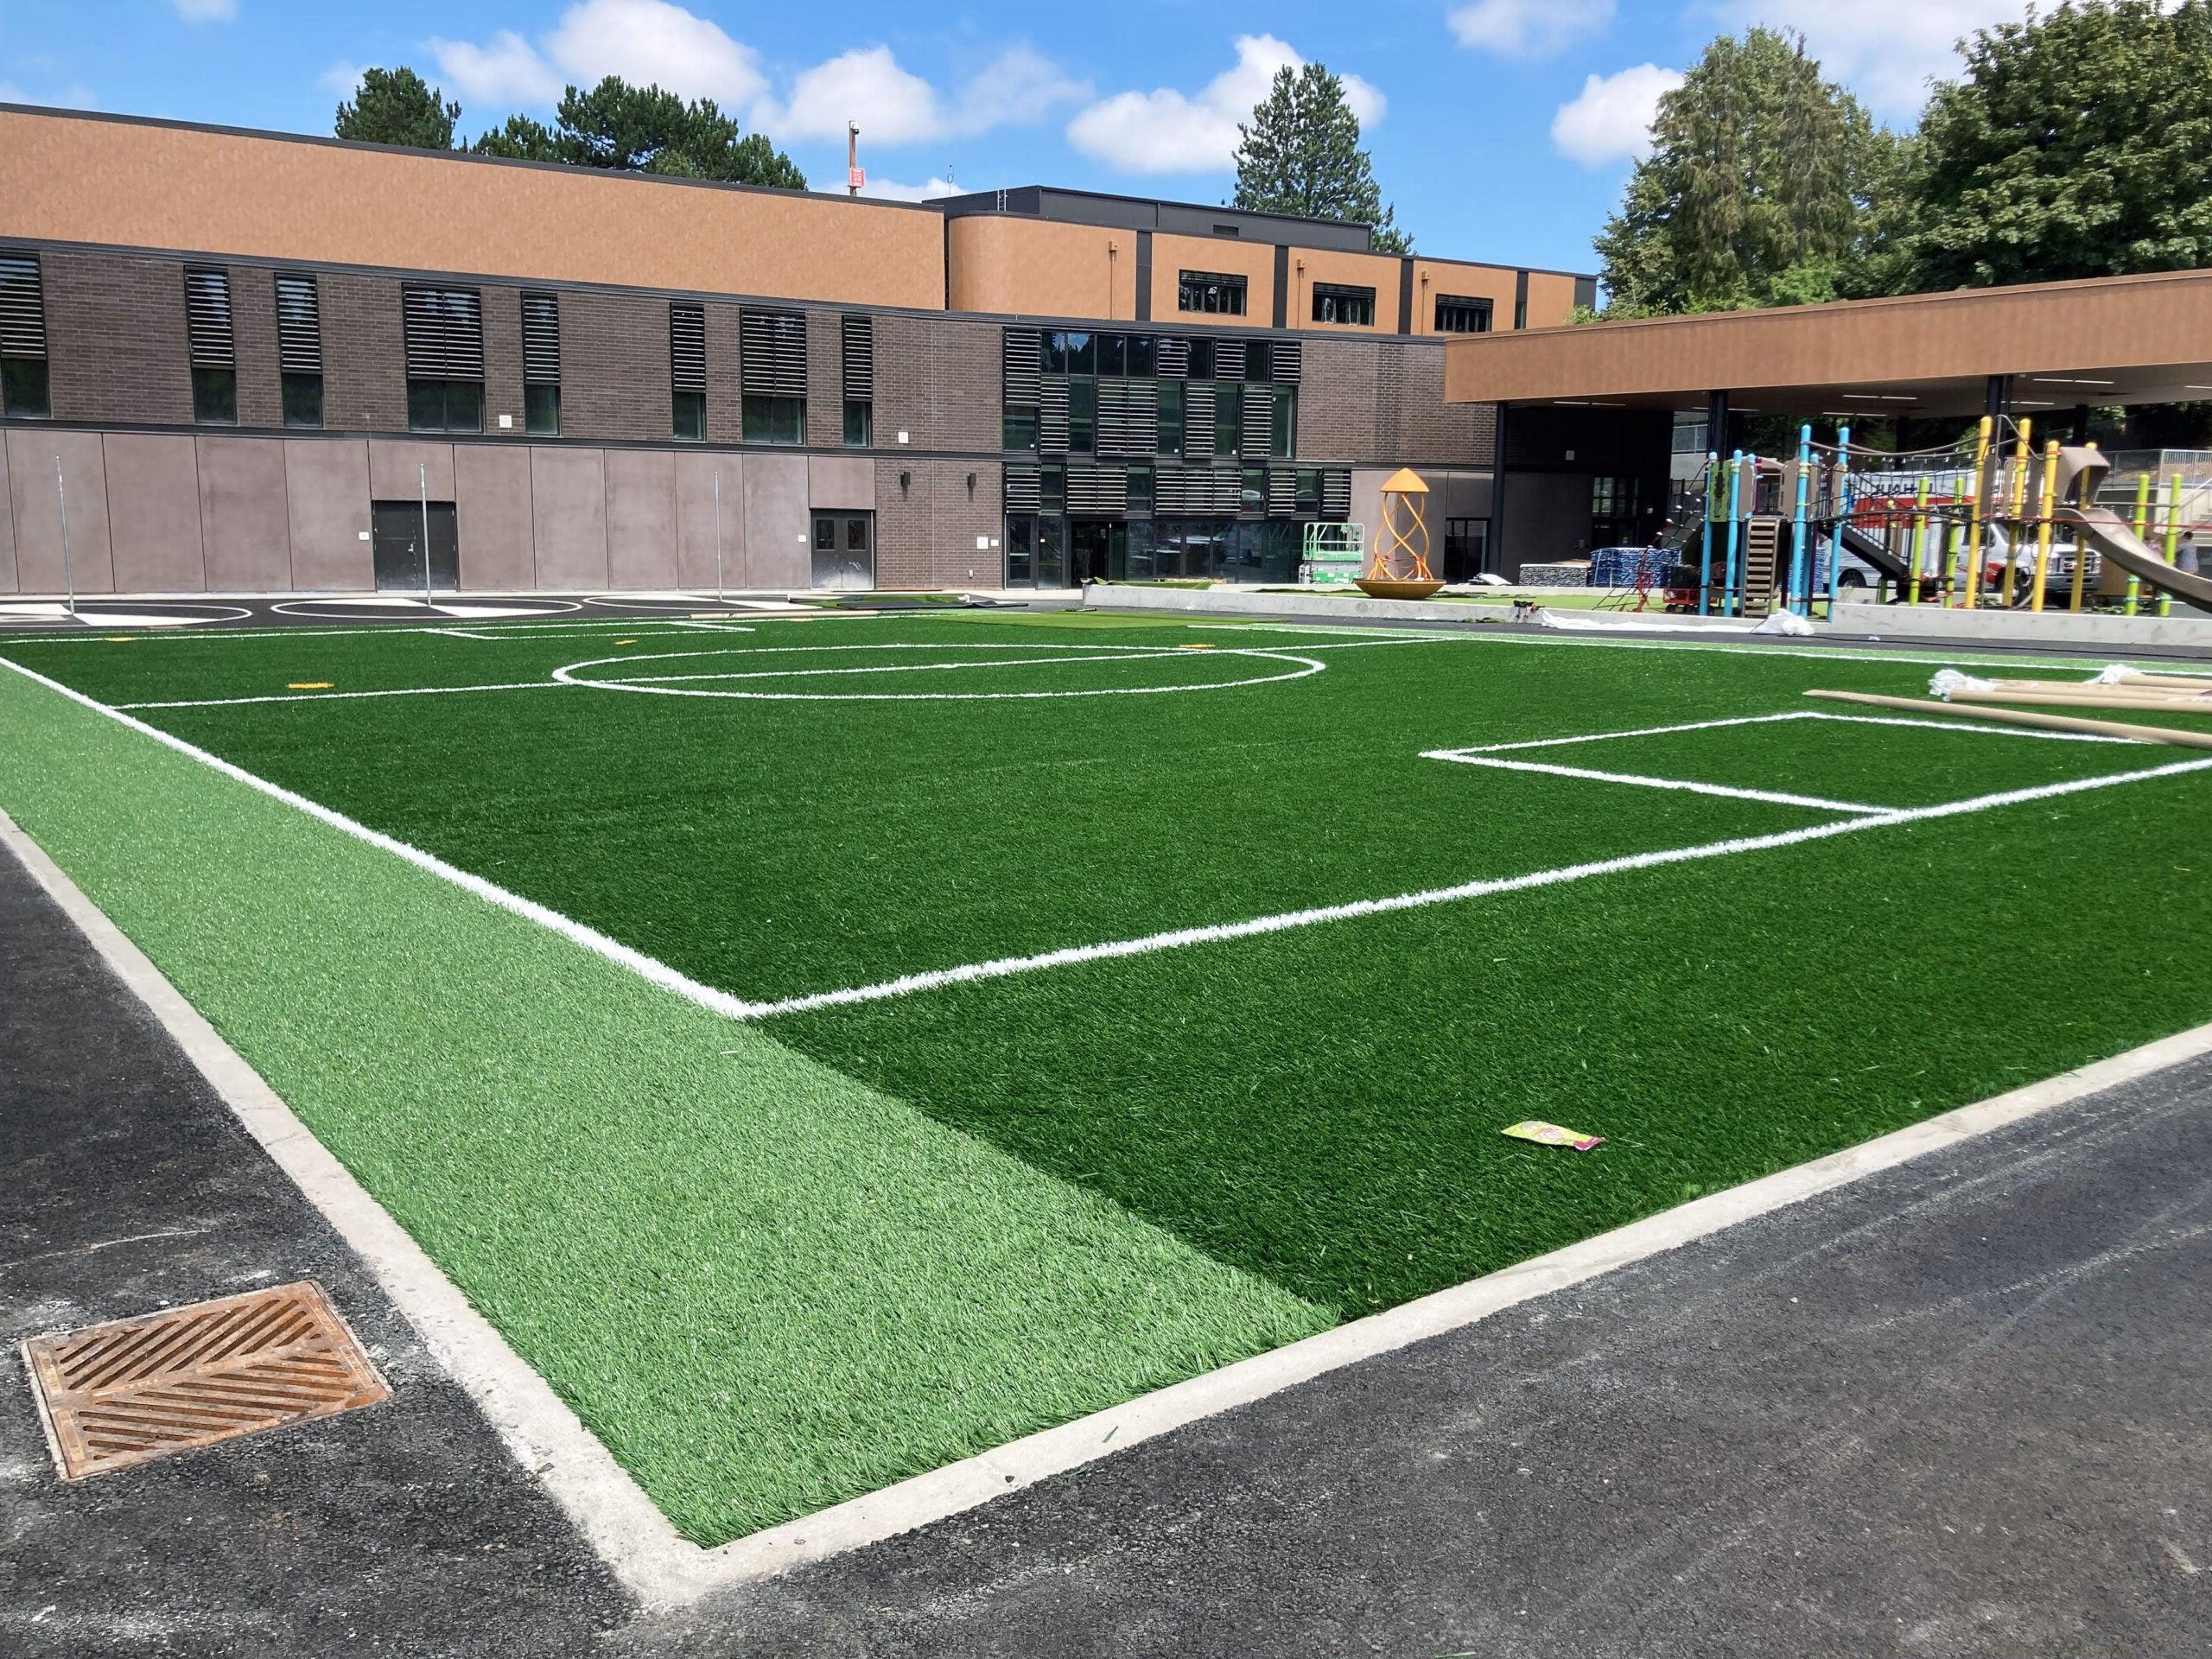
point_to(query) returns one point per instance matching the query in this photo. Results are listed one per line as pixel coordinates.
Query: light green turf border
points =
(766, 1287)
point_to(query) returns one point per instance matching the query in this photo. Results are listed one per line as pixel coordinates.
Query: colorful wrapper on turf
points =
(1552, 1134)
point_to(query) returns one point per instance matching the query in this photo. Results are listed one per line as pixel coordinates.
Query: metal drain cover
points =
(124, 1393)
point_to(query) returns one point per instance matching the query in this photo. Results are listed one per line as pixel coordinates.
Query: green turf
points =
(1315, 1111)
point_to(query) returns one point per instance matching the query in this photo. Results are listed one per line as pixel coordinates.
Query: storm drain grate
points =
(125, 1393)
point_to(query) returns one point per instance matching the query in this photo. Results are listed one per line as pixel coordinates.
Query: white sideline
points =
(664, 1569)
(1773, 797)
(615, 1513)
(337, 696)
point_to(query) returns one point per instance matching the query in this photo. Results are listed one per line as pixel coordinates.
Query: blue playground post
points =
(1732, 595)
(1842, 505)
(1797, 560)
(1705, 560)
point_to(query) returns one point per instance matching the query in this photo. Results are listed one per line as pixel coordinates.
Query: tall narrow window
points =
(772, 371)
(1284, 442)
(687, 369)
(299, 349)
(23, 339)
(1458, 315)
(859, 343)
(1021, 353)
(1219, 292)
(214, 363)
(1335, 302)
(445, 359)
(541, 365)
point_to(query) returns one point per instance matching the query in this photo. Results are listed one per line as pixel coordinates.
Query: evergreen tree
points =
(2079, 144)
(1766, 184)
(643, 129)
(394, 106)
(1300, 155)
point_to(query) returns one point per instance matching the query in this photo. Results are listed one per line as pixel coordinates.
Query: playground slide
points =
(1869, 547)
(2121, 546)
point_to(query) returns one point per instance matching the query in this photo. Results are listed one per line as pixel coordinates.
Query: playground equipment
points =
(1995, 519)
(1405, 536)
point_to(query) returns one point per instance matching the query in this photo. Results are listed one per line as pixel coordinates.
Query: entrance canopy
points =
(2111, 339)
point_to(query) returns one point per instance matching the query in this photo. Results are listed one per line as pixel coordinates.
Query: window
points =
(1520, 312)
(772, 367)
(1211, 291)
(1083, 416)
(1228, 416)
(1083, 353)
(1334, 303)
(1202, 360)
(858, 336)
(1458, 315)
(1170, 418)
(1284, 442)
(207, 330)
(1689, 434)
(1020, 429)
(23, 339)
(1139, 491)
(1259, 359)
(445, 359)
(299, 349)
(1307, 488)
(687, 370)
(1144, 356)
(1052, 353)
(1113, 353)
(541, 365)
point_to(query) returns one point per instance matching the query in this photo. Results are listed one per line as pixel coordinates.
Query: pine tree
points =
(1300, 155)
(643, 129)
(395, 106)
(1765, 184)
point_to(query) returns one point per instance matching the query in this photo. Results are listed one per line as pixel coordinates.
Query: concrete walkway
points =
(1964, 1406)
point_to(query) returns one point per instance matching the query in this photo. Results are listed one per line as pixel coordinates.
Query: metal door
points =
(396, 546)
(844, 551)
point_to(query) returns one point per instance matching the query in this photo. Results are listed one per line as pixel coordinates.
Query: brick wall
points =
(503, 362)
(614, 367)
(364, 353)
(825, 380)
(725, 409)
(253, 329)
(114, 337)
(938, 380)
(1383, 400)
(926, 533)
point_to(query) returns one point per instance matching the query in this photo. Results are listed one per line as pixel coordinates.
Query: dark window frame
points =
(1212, 293)
(1454, 309)
(26, 381)
(1344, 305)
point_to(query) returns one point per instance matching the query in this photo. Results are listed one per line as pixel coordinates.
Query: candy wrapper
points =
(1551, 1135)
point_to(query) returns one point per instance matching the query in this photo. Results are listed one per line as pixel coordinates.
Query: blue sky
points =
(1501, 129)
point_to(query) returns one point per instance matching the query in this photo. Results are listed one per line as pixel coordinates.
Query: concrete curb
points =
(2185, 629)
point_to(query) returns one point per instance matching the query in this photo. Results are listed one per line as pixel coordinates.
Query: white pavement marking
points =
(1773, 797)
(664, 1569)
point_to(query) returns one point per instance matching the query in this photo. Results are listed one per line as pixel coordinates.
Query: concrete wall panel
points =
(395, 469)
(242, 526)
(640, 519)
(31, 456)
(491, 509)
(7, 529)
(327, 500)
(695, 520)
(776, 522)
(841, 481)
(568, 492)
(152, 504)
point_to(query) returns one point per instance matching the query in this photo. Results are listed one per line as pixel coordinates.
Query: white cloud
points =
(1165, 131)
(74, 96)
(894, 107)
(651, 43)
(891, 190)
(1529, 28)
(1610, 120)
(206, 11)
(505, 69)
(1886, 51)
(342, 79)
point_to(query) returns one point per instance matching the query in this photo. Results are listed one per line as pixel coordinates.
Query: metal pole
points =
(1842, 504)
(1797, 548)
(1705, 560)
(2038, 589)
(719, 600)
(2080, 594)
(1984, 483)
(1919, 542)
(1732, 595)
(69, 576)
(2173, 535)
(2142, 534)
(422, 475)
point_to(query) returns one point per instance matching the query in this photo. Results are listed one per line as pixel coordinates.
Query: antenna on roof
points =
(854, 177)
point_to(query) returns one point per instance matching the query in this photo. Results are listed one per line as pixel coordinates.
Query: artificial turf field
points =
(983, 1020)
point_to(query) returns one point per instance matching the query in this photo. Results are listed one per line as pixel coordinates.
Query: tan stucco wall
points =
(1436, 276)
(1035, 268)
(73, 179)
(1551, 300)
(1254, 261)
(1376, 270)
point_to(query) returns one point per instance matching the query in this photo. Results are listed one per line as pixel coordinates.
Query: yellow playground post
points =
(1976, 500)
(2043, 530)
(1919, 542)
(2016, 504)
(2081, 543)
(2142, 528)
(2173, 535)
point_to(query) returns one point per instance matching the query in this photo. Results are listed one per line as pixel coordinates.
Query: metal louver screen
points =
(1052, 418)
(1336, 494)
(1097, 489)
(687, 348)
(1290, 361)
(445, 332)
(1023, 493)
(1198, 418)
(860, 359)
(771, 353)
(1229, 359)
(1129, 417)
(207, 318)
(1282, 493)
(1019, 351)
(299, 326)
(22, 309)
(1259, 420)
(541, 339)
(1174, 357)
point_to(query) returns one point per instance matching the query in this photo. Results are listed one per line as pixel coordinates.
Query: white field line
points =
(1773, 797)
(561, 623)
(340, 696)
(1005, 967)
(918, 668)
(1767, 720)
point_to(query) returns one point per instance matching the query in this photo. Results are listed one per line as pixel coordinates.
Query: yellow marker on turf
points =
(307, 685)
(625, 642)
(1197, 647)
(121, 639)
